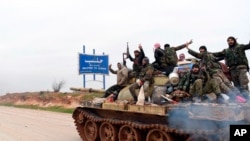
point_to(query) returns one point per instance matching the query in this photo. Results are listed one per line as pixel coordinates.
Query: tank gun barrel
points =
(88, 90)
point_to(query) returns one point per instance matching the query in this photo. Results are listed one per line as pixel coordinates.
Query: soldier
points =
(171, 55)
(122, 80)
(192, 83)
(200, 86)
(160, 61)
(212, 91)
(145, 78)
(137, 60)
(236, 60)
(210, 63)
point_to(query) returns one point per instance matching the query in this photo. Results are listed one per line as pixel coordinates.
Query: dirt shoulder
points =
(46, 99)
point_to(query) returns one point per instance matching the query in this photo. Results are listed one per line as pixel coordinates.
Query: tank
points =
(114, 121)
(107, 120)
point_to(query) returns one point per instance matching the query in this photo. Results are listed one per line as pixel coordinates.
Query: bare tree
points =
(58, 85)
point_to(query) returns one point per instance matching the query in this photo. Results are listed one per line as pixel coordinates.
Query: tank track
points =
(81, 116)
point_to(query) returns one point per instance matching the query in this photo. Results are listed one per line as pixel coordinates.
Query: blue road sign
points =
(93, 64)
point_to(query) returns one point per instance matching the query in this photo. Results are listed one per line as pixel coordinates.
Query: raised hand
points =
(140, 47)
(188, 43)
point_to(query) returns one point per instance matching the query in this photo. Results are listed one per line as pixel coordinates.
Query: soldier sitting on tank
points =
(145, 78)
(200, 86)
(213, 67)
(192, 83)
(166, 59)
(122, 80)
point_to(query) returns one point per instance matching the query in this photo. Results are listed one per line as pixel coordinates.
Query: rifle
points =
(127, 50)
(125, 54)
(124, 59)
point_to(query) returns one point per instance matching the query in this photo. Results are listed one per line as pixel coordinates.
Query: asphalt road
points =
(17, 124)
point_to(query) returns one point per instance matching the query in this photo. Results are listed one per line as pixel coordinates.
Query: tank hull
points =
(177, 123)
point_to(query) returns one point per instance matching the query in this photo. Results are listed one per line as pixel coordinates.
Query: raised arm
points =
(183, 45)
(142, 55)
(219, 54)
(195, 54)
(130, 57)
(246, 47)
(111, 70)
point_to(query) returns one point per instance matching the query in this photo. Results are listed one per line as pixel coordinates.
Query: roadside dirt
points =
(44, 99)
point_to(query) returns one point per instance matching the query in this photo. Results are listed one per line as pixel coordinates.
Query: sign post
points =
(93, 64)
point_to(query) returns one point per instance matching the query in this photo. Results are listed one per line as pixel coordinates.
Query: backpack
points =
(170, 56)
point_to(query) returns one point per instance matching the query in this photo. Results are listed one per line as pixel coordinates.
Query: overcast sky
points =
(40, 39)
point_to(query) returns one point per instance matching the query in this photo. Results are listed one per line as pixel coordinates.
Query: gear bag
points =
(170, 56)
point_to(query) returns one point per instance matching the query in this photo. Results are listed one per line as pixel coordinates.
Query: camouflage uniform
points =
(212, 86)
(191, 83)
(171, 58)
(211, 90)
(146, 77)
(237, 62)
(215, 71)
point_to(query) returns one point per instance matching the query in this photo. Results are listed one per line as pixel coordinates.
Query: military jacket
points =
(208, 60)
(146, 73)
(171, 56)
(187, 80)
(234, 56)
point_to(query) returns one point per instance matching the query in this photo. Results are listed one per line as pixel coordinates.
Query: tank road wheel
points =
(91, 130)
(158, 135)
(127, 133)
(108, 132)
(81, 118)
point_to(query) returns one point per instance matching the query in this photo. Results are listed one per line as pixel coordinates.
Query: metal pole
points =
(103, 80)
(84, 74)
(94, 74)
